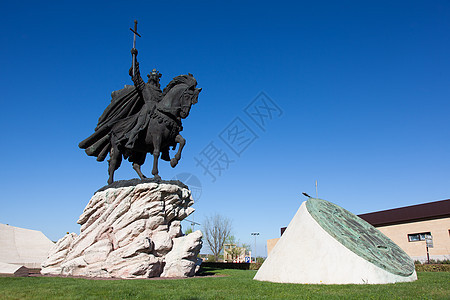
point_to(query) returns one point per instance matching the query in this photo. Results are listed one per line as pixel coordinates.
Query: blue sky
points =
(362, 90)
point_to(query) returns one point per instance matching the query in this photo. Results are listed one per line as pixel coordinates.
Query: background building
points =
(408, 227)
(233, 253)
(23, 247)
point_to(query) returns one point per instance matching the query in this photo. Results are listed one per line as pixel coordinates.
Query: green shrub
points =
(433, 268)
(210, 258)
(433, 261)
(226, 265)
(255, 266)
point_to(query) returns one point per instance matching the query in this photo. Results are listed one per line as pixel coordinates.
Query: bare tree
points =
(216, 229)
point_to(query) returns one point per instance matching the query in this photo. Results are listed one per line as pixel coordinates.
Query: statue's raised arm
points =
(139, 83)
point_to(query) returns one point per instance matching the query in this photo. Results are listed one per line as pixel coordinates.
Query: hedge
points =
(433, 268)
(256, 266)
(224, 265)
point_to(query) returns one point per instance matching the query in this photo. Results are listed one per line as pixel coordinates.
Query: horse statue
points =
(143, 119)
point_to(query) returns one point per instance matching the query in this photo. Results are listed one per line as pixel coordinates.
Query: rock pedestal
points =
(130, 231)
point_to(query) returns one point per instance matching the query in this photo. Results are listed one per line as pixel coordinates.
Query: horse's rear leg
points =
(115, 159)
(181, 141)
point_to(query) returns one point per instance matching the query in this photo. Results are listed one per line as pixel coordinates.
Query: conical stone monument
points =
(326, 244)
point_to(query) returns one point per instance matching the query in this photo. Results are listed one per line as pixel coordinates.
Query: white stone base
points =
(306, 253)
(130, 232)
(13, 270)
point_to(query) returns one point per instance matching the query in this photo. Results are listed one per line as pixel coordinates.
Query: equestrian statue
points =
(143, 119)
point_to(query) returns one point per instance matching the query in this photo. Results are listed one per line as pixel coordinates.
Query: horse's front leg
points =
(137, 168)
(181, 141)
(138, 160)
(156, 152)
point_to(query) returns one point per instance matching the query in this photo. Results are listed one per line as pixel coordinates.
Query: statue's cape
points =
(125, 104)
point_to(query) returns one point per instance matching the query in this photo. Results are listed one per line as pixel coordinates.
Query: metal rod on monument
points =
(255, 234)
(317, 193)
(134, 43)
(192, 222)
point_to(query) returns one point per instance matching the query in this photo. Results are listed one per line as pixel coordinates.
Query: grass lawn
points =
(237, 284)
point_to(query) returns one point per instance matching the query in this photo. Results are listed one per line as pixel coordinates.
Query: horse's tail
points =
(106, 149)
(100, 148)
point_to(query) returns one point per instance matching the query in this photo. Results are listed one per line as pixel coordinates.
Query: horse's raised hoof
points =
(173, 162)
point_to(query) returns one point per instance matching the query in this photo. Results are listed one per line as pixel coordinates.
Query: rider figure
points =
(150, 92)
(153, 78)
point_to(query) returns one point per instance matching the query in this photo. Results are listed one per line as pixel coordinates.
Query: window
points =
(418, 236)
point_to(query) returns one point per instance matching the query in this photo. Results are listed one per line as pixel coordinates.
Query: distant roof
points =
(413, 213)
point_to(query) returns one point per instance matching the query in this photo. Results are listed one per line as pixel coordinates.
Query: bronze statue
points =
(143, 119)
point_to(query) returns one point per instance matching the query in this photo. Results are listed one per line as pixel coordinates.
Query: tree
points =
(231, 239)
(217, 228)
(260, 259)
(247, 247)
(188, 230)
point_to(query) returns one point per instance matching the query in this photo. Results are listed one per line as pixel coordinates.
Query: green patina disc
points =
(360, 237)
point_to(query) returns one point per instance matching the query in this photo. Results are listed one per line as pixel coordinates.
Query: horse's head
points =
(179, 95)
(189, 97)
